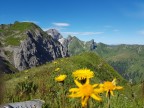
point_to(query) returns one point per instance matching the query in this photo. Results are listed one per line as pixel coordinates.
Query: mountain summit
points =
(54, 33)
(72, 43)
(26, 45)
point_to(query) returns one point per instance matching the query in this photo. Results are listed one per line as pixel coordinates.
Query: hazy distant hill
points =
(128, 60)
(76, 46)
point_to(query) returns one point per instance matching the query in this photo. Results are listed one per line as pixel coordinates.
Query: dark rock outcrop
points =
(91, 44)
(37, 49)
(25, 45)
(5, 66)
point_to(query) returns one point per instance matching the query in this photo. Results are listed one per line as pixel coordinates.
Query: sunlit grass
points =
(54, 93)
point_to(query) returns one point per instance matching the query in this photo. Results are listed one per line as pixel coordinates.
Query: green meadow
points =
(39, 83)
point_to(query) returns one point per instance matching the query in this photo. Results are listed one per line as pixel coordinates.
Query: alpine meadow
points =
(72, 54)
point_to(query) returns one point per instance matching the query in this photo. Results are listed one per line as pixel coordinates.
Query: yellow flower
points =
(60, 78)
(57, 69)
(109, 87)
(83, 74)
(85, 91)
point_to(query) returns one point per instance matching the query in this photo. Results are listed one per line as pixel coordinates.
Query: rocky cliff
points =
(6, 67)
(28, 45)
(54, 33)
(72, 43)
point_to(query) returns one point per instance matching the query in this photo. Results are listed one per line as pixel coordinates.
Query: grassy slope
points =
(14, 33)
(128, 60)
(76, 46)
(49, 90)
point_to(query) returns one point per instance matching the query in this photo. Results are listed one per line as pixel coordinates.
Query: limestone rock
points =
(54, 33)
(37, 49)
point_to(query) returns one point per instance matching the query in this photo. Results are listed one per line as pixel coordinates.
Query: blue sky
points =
(107, 21)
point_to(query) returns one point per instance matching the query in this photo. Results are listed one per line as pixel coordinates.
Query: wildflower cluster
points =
(85, 90)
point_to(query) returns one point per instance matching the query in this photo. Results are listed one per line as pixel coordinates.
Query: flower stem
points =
(109, 99)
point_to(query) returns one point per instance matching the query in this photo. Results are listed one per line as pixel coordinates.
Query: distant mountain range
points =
(72, 43)
(128, 60)
(24, 45)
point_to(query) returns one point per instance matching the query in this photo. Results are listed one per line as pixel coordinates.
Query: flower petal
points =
(101, 85)
(111, 92)
(119, 87)
(84, 100)
(75, 95)
(87, 81)
(96, 97)
(114, 81)
(73, 90)
(100, 90)
(94, 85)
(77, 83)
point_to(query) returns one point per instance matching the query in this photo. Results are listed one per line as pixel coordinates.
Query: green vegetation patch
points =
(21, 26)
(39, 82)
(1, 30)
(12, 41)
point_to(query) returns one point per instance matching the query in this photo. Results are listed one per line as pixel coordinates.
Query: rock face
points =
(36, 103)
(26, 45)
(58, 37)
(54, 33)
(91, 45)
(72, 43)
(5, 65)
(36, 50)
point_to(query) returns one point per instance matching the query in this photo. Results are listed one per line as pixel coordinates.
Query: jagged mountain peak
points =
(54, 33)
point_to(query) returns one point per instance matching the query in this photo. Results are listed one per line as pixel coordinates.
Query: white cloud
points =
(57, 28)
(61, 24)
(141, 32)
(82, 33)
(36, 22)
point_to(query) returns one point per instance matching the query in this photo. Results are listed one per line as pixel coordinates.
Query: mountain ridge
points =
(27, 45)
(127, 59)
(31, 46)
